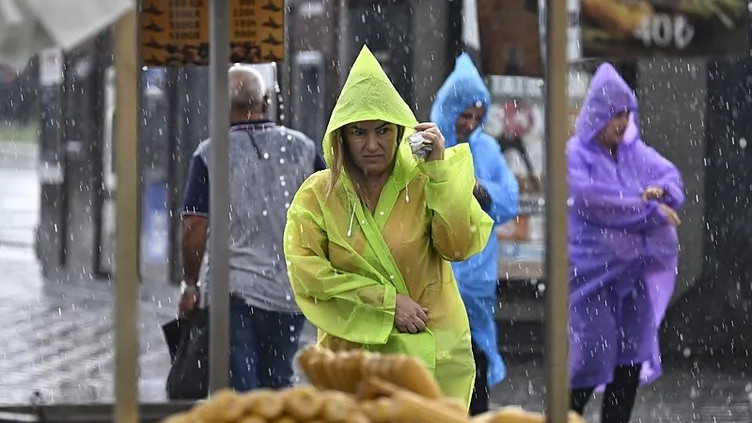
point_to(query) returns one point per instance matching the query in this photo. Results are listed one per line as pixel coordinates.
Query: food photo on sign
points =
(612, 28)
(516, 119)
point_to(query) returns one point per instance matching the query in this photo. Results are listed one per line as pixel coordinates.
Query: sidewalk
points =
(58, 336)
(19, 193)
(691, 390)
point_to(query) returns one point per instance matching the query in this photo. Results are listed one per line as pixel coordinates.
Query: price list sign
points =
(176, 32)
(633, 28)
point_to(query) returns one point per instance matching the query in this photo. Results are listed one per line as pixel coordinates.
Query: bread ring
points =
(515, 415)
(380, 410)
(267, 404)
(336, 407)
(318, 375)
(413, 408)
(222, 406)
(332, 367)
(302, 403)
(413, 376)
(185, 417)
(456, 404)
(357, 418)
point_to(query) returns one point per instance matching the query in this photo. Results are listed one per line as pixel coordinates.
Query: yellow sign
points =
(176, 32)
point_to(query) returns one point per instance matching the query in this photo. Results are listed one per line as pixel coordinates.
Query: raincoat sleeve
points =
(459, 227)
(606, 205)
(665, 175)
(501, 185)
(344, 304)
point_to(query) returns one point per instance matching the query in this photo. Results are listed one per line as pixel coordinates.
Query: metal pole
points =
(219, 222)
(126, 220)
(557, 289)
(175, 170)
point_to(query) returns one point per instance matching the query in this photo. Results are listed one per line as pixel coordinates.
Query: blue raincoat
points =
(477, 276)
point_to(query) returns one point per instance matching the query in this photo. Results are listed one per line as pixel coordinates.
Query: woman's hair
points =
(341, 160)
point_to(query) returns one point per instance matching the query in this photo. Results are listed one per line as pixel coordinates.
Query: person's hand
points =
(187, 304)
(653, 193)
(409, 316)
(431, 132)
(671, 215)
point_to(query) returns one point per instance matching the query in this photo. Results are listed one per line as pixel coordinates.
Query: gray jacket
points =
(268, 163)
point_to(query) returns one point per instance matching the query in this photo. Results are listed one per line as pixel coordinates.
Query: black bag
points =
(189, 374)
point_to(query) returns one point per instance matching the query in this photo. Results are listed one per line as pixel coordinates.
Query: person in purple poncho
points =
(623, 248)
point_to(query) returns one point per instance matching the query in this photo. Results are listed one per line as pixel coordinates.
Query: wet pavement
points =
(691, 390)
(57, 337)
(19, 193)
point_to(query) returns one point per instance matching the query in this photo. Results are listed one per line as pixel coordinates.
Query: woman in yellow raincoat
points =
(368, 241)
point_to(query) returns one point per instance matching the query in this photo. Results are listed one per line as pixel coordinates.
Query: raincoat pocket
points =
(420, 345)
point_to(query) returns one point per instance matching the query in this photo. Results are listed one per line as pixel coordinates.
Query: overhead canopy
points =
(28, 26)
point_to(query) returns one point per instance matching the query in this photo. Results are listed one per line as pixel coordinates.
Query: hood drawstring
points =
(352, 218)
(353, 205)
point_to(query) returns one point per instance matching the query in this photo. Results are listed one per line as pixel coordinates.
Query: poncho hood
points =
(463, 88)
(368, 94)
(608, 96)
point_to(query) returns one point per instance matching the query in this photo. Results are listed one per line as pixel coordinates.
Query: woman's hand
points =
(431, 132)
(409, 316)
(653, 193)
(671, 215)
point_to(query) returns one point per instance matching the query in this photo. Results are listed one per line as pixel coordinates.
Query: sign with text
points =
(176, 32)
(509, 37)
(629, 28)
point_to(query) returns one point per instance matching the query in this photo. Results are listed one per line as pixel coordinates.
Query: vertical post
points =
(219, 208)
(175, 170)
(557, 289)
(126, 220)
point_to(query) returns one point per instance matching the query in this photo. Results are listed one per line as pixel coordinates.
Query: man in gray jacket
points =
(267, 165)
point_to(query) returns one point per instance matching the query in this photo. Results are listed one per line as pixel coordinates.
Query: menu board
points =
(176, 32)
(509, 37)
(629, 28)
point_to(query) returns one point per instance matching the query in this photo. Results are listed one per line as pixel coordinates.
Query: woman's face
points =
(613, 134)
(468, 121)
(371, 145)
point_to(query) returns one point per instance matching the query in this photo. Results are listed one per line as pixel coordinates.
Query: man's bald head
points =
(247, 90)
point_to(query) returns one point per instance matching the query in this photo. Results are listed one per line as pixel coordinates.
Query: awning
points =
(29, 26)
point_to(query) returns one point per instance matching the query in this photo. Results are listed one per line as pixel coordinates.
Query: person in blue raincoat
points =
(460, 109)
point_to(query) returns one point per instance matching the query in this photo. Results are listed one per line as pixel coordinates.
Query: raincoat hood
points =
(608, 96)
(368, 94)
(463, 88)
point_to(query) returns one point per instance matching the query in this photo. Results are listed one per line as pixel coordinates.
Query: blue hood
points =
(463, 88)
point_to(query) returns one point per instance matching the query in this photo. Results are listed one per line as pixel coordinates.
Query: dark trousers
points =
(481, 394)
(618, 399)
(262, 346)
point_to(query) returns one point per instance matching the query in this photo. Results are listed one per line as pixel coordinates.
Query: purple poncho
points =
(623, 253)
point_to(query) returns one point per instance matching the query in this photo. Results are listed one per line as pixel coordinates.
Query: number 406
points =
(664, 30)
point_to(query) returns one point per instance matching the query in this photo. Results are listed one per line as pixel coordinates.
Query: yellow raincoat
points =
(347, 265)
